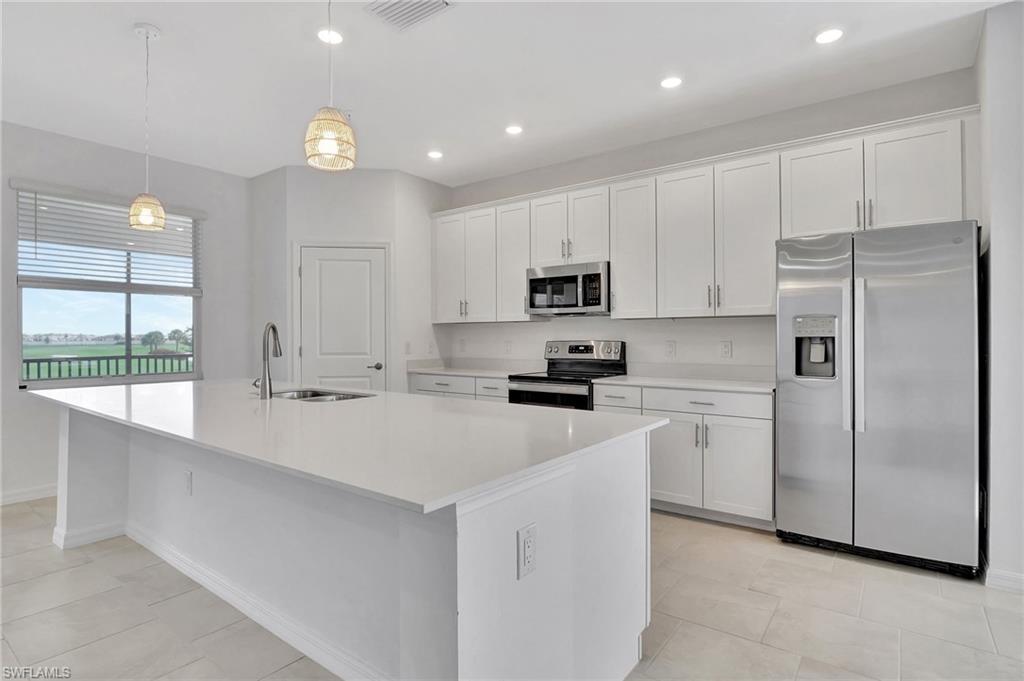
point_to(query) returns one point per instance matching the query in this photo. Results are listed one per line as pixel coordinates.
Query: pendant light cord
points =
(330, 59)
(146, 117)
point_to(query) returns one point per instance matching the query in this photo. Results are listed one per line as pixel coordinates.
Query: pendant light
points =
(330, 141)
(146, 212)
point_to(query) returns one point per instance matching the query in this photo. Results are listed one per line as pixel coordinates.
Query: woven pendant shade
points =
(330, 141)
(146, 214)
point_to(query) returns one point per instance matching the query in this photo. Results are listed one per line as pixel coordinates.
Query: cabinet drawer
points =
(708, 402)
(492, 387)
(617, 396)
(444, 384)
(618, 410)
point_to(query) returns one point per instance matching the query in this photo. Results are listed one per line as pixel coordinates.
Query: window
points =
(102, 302)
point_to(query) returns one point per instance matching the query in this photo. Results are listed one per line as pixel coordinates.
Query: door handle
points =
(696, 435)
(860, 288)
(845, 354)
(378, 366)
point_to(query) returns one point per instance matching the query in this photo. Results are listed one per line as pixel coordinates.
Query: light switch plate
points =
(526, 552)
(725, 349)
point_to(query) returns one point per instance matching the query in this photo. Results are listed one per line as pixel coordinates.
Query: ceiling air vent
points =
(403, 14)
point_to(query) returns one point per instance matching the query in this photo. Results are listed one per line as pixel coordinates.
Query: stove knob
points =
(554, 349)
(616, 351)
(548, 348)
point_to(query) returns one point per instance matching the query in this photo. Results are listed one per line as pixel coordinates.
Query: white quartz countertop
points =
(476, 373)
(418, 452)
(724, 385)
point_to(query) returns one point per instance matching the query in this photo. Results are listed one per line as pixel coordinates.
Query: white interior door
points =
(823, 188)
(344, 312)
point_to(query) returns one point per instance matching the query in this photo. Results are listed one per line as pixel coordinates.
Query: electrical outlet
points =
(188, 483)
(725, 349)
(526, 554)
(462, 345)
(670, 348)
(430, 348)
(508, 347)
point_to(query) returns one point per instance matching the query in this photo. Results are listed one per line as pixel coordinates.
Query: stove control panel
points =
(589, 349)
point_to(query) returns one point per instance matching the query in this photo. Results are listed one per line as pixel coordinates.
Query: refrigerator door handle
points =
(845, 350)
(860, 286)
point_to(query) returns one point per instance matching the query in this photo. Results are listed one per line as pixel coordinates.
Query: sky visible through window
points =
(99, 313)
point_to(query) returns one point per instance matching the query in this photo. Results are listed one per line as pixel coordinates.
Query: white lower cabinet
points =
(738, 466)
(677, 460)
(487, 398)
(617, 410)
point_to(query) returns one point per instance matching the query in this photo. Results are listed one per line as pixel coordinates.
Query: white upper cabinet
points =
(634, 249)
(677, 458)
(513, 235)
(449, 267)
(686, 243)
(914, 175)
(548, 231)
(823, 188)
(746, 229)
(588, 225)
(480, 267)
(738, 464)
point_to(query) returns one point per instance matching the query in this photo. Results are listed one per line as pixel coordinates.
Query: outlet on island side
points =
(526, 553)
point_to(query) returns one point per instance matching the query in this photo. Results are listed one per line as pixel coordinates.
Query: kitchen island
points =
(384, 537)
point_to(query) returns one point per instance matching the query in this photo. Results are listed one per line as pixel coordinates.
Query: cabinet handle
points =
(707, 440)
(871, 212)
(570, 247)
(706, 404)
(526, 309)
(718, 295)
(858, 213)
(443, 385)
(696, 435)
(563, 249)
(709, 296)
(467, 308)
(489, 387)
(616, 397)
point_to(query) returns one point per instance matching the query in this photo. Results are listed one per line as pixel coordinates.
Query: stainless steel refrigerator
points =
(878, 395)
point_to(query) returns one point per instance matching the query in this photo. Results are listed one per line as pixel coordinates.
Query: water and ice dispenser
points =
(815, 346)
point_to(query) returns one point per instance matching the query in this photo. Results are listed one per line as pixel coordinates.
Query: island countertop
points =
(421, 453)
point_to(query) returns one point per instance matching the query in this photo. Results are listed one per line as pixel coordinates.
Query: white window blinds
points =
(64, 241)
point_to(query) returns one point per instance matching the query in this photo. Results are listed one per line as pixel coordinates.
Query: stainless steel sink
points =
(315, 395)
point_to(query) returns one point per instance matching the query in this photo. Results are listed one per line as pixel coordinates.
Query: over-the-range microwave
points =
(579, 289)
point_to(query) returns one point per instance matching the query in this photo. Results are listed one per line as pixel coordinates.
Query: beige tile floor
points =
(729, 604)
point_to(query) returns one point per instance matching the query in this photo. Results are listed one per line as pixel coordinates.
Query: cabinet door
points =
(481, 273)
(914, 176)
(513, 233)
(746, 229)
(686, 243)
(677, 461)
(488, 398)
(617, 410)
(548, 231)
(449, 268)
(588, 225)
(634, 250)
(738, 466)
(823, 188)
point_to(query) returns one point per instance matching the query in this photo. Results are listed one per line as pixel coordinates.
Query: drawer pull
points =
(615, 397)
(705, 404)
(441, 384)
(489, 387)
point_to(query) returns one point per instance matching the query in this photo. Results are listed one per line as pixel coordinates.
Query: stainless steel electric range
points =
(572, 368)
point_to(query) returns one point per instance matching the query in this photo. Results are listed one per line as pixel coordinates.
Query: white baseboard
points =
(324, 653)
(88, 535)
(1004, 579)
(29, 494)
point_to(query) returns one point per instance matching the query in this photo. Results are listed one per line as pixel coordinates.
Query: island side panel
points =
(580, 613)
(92, 479)
(363, 587)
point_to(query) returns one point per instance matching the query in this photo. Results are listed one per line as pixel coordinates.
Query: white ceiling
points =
(234, 84)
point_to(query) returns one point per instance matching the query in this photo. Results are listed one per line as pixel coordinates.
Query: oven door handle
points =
(549, 388)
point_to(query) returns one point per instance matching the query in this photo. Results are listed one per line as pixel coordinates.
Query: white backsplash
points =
(661, 347)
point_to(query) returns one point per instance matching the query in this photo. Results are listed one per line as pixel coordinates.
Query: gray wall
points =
(945, 91)
(29, 427)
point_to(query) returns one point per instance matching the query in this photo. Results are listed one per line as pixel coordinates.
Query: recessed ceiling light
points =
(671, 82)
(514, 129)
(829, 35)
(435, 154)
(329, 35)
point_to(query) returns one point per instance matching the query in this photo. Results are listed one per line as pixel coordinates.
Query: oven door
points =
(564, 395)
(568, 289)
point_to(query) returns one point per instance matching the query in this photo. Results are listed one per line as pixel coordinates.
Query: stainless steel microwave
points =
(581, 289)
